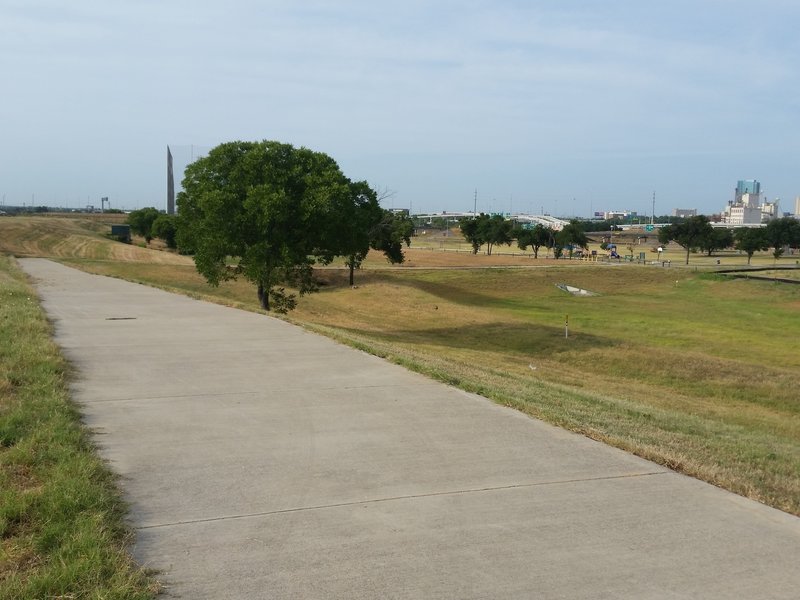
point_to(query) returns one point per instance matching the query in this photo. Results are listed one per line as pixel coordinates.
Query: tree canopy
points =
(489, 230)
(473, 232)
(783, 232)
(535, 237)
(360, 224)
(571, 235)
(141, 222)
(165, 227)
(719, 239)
(269, 211)
(690, 234)
(751, 240)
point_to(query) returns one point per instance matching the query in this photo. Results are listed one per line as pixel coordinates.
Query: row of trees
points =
(697, 233)
(495, 229)
(151, 223)
(269, 212)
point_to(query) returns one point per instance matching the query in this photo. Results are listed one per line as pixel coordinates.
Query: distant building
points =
(745, 208)
(610, 215)
(740, 214)
(747, 186)
(684, 213)
(797, 207)
(770, 211)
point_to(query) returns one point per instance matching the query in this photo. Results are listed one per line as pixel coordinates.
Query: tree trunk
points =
(263, 297)
(688, 249)
(352, 268)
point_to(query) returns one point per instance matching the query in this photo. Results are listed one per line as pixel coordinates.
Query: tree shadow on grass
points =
(496, 338)
(457, 293)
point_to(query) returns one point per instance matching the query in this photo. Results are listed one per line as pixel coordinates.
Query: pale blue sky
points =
(560, 105)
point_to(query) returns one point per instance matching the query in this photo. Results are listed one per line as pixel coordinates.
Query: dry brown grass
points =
(83, 238)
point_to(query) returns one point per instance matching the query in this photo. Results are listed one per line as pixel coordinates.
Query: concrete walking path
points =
(263, 461)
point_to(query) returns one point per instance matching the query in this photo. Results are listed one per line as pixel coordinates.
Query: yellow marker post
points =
(566, 326)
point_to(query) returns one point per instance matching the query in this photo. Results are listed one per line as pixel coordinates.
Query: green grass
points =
(61, 517)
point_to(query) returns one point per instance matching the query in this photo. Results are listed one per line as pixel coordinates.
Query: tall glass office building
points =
(747, 186)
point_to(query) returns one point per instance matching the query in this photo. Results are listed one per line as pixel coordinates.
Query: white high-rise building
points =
(745, 209)
(797, 207)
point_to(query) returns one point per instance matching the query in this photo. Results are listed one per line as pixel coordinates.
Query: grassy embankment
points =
(61, 519)
(687, 369)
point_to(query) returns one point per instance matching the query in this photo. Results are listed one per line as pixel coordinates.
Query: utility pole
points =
(653, 216)
(475, 204)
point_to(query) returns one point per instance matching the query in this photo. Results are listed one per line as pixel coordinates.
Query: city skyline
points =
(566, 107)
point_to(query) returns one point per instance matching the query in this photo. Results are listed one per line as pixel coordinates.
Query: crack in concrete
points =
(258, 392)
(408, 497)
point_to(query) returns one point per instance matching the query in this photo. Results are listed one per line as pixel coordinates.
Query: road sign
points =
(649, 227)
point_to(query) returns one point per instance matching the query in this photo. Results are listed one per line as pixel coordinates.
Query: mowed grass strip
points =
(62, 533)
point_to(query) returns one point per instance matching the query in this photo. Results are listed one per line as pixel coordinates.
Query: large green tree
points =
(263, 210)
(691, 234)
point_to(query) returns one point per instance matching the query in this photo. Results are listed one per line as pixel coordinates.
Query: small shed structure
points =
(121, 233)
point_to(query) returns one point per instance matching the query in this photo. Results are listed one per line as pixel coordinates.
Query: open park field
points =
(681, 366)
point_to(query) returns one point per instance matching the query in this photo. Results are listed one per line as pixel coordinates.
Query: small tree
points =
(165, 227)
(489, 230)
(781, 233)
(352, 224)
(389, 235)
(141, 222)
(497, 230)
(751, 240)
(690, 234)
(474, 231)
(571, 235)
(535, 237)
(720, 238)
